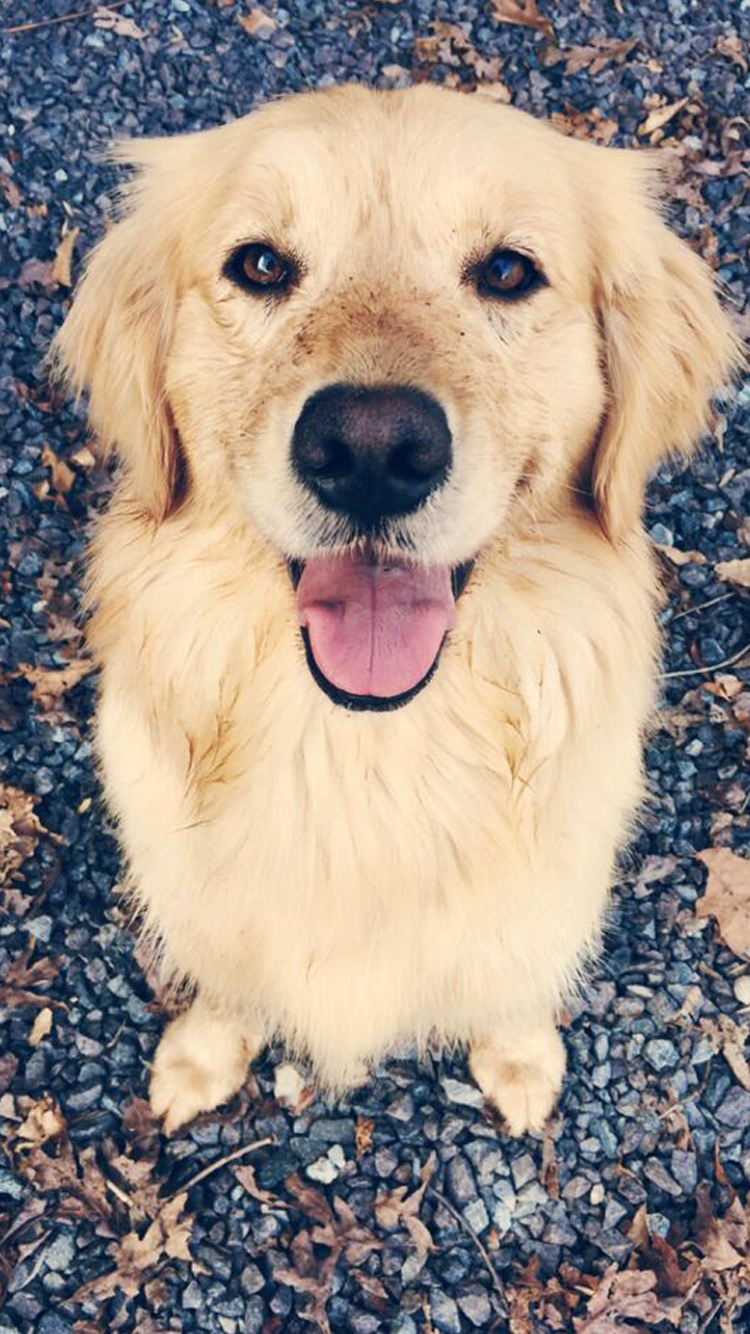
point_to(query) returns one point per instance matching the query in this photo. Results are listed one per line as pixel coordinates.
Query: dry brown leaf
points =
(724, 1241)
(136, 1253)
(603, 51)
(661, 116)
(727, 897)
(21, 977)
(256, 21)
(585, 124)
(245, 1174)
(61, 264)
(363, 1135)
(736, 571)
(336, 1229)
(44, 1122)
(523, 13)
(111, 21)
(20, 830)
(726, 687)
(680, 557)
(626, 1296)
(395, 1208)
(50, 683)
(63, 477)
(41, 1027)
(448, 44)
(10, 190)
(730, 1038)
(734, 49)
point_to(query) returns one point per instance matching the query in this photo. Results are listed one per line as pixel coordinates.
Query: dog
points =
(386, 374)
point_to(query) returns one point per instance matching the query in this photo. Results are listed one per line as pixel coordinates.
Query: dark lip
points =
(460, 575)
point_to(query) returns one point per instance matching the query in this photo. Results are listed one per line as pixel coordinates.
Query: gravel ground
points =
(402, 1208)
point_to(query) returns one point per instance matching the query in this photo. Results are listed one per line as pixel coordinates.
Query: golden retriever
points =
(373, 604)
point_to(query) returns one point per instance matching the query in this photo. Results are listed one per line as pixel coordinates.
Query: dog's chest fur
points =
(352, 880)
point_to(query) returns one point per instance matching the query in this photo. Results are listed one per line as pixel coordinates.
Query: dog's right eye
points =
(259, 268)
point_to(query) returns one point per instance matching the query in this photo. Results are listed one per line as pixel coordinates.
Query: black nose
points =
(371, 452)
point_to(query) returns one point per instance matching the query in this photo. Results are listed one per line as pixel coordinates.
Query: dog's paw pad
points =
(189, 1078)
(524, 1092)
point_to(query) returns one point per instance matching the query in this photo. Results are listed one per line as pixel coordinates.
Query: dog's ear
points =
(667, 344)
(115, 341)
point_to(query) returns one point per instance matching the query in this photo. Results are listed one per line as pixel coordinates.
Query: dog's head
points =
(388, 329)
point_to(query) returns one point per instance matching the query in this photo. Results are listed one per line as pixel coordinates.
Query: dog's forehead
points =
(422, 156)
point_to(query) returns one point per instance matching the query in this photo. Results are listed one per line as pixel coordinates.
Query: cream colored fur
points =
(349, 881)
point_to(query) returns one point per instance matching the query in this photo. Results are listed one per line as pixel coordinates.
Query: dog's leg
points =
(521, 1072)
(201, 1061)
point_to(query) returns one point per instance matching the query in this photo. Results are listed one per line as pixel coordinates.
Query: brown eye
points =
(507, 273)
(259, 268)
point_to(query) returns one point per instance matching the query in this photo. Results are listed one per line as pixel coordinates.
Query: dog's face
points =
(390, 329)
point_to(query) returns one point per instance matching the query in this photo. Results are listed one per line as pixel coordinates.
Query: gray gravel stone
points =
(661, 1054)
(444, 1312)
(475, 1305)
(459, 1180)
(734, 1111)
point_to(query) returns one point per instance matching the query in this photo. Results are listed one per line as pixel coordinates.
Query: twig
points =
(499, 1289)
(691, 611)
(704, 671)
(122, 1195)
(220, 1162)
(66, 18)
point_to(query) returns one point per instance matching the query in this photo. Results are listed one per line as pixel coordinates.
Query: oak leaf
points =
(727, 897)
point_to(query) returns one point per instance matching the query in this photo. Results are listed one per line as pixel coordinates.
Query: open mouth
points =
(374, 627)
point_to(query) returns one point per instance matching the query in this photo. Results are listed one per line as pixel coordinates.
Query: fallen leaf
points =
(21, 977)
(395, 1207)
(448, 44)
(727, 897)
(50, 683)
(363, 1135)
(63, 477)
(523, 13)
(257, 21)
(730, 1038)
(138, 1252)
(680, 557)
(736, 571)
(60, 272)
(585, 124)
(725, 1240)
(725, 686)
(41, 1027)
(733, 47)
(10, 190)
(603, 51)
(20, 830)
(626, 1296)
(661, 116)
(43, 1123)
(110, 21)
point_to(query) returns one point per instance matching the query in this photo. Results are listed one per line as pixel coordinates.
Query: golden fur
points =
(349, 881)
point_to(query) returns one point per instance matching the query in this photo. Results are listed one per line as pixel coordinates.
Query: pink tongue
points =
(374, 629)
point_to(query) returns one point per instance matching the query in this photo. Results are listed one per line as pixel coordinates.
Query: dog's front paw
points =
(200, 1062)
(522, 1080)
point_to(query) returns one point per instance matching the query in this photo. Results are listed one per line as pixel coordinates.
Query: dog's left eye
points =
(507, 273)
(259, 268)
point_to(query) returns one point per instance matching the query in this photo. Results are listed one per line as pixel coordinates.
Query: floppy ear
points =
(668, 346)
(115, 341)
